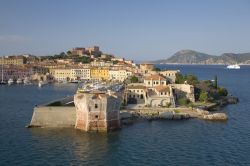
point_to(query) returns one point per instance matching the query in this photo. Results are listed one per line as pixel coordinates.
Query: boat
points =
(19, 81)
(26, 81)
(233, 66)
(41, 83)
(3, 83)
(10, 81)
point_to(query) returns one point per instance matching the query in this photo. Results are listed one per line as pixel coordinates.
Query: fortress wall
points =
(54, 116)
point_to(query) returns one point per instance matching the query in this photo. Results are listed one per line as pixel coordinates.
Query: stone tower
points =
(97, 111)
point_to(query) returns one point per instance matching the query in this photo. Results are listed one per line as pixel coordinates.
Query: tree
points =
(156, 69)
(179, 78)
(203, 96)
(222, 92)
(215, 82)
(62, 55)
(191, 79)
(69, 53)
(134, 79)
(183, 101)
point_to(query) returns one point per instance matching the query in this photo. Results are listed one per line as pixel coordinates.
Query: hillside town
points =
(144, 84)
(108, 84)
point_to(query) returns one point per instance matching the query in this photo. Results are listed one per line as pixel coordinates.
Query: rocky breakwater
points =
(216, 117)
(155, 115)
(222, 102)
(206, 115)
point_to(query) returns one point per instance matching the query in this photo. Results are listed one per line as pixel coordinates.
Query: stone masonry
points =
(97, 111)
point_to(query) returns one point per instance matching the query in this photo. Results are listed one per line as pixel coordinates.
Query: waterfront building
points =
(61, 74)
(15, 72)
(161, 95)
(183, 90)
(80, 74)
(38, 69)
(97, 111)
(154, 80)
(98, 73)
(135, 93)
(119, 75)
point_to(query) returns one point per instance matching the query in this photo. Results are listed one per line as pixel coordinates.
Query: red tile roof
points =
(162, 88)
(154, 77)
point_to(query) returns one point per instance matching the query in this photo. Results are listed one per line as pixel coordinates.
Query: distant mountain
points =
(194, 57)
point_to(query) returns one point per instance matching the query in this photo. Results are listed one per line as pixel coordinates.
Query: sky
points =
(134, 29)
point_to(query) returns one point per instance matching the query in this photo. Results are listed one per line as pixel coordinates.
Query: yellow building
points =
(60, 74)
(12, 61)
(99, 73)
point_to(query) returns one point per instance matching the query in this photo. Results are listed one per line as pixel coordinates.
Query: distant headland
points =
(195, 57)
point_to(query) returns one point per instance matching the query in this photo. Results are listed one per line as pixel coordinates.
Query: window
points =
(96, 105)
(96, 116)
(148, 83)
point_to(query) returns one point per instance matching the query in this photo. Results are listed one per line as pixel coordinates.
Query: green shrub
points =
(222, 92)
(134, 79)
(183, 101)
(203, 96)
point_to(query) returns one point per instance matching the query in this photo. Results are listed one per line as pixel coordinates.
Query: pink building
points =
(15, 72)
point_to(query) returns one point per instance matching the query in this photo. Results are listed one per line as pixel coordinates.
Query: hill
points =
(195, 57)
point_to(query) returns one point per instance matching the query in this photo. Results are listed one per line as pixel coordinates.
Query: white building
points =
(119, 75)
(80, 74)
(154, 80)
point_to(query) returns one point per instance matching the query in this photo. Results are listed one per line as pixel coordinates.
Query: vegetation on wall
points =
(134, 79)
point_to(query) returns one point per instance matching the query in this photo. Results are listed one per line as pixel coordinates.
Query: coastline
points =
(209, 111)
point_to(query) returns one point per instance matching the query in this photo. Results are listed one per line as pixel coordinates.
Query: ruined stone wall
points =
(184, 89)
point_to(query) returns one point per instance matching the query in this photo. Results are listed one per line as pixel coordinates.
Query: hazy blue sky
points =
(138, 29)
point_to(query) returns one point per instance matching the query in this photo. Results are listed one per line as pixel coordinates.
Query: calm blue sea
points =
(187, 142)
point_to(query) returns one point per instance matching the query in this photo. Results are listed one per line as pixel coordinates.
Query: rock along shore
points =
(179, 113)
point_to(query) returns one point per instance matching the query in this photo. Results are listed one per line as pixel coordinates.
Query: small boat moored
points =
(26, 81)
(10, 81)
(19, 81)
(233, 66)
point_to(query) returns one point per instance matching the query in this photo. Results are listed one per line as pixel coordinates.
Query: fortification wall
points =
(54, 116)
